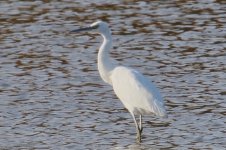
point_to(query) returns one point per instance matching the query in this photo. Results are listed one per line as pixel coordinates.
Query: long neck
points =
(105, 66)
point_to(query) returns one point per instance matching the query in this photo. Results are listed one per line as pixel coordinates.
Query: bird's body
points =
(137, 94)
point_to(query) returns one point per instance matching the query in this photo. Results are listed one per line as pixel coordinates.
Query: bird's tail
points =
(159, 109)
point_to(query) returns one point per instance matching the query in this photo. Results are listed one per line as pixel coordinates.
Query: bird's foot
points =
(138, 139)
(139, 131)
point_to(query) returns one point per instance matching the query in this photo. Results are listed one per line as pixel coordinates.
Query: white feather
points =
(137, 94)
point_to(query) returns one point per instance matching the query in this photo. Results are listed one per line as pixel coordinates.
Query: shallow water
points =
(51, 95)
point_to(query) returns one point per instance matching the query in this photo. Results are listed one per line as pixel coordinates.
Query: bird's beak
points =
(84, 29)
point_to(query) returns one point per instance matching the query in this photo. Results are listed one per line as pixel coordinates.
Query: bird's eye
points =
(95, 27)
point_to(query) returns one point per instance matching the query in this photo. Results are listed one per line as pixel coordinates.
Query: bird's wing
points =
(137, 94)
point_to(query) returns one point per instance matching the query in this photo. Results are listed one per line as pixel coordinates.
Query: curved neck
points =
(105, 66)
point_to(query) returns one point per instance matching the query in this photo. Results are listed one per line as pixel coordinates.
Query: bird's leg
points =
(138, 128)
(141, 128)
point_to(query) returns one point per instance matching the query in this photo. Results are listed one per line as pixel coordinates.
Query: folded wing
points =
(138, 94)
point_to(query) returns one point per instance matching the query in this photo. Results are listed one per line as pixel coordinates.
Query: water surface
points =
(51, 95)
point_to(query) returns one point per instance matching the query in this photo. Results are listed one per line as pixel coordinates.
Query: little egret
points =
(137, 94)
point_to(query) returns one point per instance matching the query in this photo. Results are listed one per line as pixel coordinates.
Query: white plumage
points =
(136, 93)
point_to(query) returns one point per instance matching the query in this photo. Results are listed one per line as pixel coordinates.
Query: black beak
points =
(84, 29)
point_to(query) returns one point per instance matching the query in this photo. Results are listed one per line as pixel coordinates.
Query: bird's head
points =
(98, 27)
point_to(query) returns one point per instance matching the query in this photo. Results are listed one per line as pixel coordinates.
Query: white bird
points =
(137, 93)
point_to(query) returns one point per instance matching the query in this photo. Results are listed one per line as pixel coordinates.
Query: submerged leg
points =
(138, 128)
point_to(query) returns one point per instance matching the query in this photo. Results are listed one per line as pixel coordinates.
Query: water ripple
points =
(51, 95)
